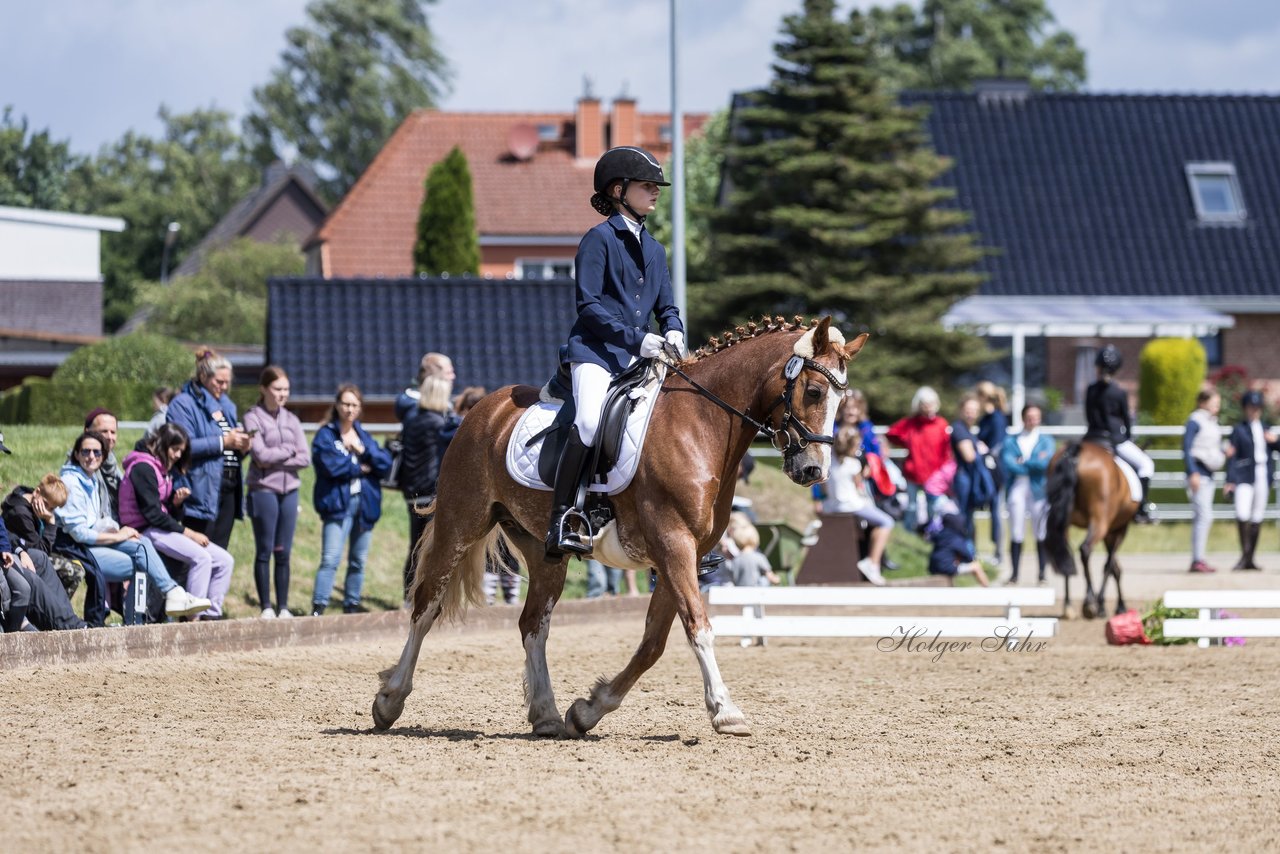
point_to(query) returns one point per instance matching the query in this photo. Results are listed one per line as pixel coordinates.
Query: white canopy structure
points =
(1018, 318)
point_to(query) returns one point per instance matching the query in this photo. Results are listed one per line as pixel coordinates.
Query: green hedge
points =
(1170, 374)
(40, 401)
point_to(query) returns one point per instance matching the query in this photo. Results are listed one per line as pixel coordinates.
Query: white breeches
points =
(1023, 505)
(590, 386)
(1134, 456)
(1251, 498)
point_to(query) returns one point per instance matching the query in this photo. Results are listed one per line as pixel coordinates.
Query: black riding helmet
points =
(626, 164)
(1109, 359)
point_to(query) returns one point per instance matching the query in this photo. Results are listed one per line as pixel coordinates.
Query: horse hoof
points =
(1069, 613)
(573, 726)
(549, 729)
(1089, 610)
(384, 718)
(731, 725)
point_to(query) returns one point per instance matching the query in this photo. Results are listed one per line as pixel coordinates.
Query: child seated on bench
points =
(953, 551)
(847, 493)
(748, 567)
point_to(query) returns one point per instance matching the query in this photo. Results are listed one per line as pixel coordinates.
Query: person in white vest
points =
(1202, 455)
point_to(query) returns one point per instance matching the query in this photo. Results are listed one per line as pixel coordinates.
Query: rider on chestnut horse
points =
(1106, 409)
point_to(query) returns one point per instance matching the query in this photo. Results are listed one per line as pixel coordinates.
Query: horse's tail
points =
(465, 586)
(1061, 489)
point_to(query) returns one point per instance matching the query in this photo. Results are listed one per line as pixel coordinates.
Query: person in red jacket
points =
(926, 438)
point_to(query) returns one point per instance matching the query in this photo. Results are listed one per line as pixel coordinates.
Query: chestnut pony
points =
(673, 510)
(1086, 488)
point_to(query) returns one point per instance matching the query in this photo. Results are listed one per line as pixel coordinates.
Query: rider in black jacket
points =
(1106, 409)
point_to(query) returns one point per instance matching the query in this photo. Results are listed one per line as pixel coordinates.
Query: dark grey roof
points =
(373, 332)
(1087, 194)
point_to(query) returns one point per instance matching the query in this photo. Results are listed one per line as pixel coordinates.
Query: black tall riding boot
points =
(1242, 528)
(1015, 558)
(1042, 552)
(1255, 531)
(570, 531)
(1144, 515)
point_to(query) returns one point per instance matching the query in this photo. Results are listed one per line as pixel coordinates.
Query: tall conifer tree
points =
(447, 238)
(832, 207)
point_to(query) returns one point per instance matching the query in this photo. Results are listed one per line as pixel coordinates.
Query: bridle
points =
(781, 437)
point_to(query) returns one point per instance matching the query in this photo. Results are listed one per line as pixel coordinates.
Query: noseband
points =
(781, 437)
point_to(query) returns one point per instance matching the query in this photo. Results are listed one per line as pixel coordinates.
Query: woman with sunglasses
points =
(118, 551)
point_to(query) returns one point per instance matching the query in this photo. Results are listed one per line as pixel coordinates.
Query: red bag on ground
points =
(1126, 628)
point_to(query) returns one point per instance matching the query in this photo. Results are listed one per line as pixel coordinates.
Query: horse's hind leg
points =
(607, 695)
(1114, 539)
(546, 582)
(1092, 601)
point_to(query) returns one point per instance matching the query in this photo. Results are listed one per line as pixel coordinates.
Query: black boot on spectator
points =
(1242, 530)
(354, 609)
(1015, 558)
(317, 610)
(1255, 530)
(1042, 552)
(707, 566)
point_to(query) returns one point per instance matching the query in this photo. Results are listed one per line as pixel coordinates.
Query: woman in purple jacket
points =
(280, 451)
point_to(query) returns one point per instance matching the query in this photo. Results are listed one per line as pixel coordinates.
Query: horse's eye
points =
(813, 393)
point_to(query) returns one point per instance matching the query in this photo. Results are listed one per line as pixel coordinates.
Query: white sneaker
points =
(267, 614)
(871, 571)
(180, 603)
(286, 614)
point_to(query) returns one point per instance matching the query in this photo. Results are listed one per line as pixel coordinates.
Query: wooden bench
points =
(1208, 625)
(753, 623)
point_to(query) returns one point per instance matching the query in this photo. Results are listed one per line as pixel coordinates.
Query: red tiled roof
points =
(372, 230)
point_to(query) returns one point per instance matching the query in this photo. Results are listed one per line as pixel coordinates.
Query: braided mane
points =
(752, 329)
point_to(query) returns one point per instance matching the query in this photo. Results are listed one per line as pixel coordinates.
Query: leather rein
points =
(787, 444)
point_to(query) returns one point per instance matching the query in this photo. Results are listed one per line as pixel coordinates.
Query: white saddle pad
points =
(1135, 485)
(522, 460)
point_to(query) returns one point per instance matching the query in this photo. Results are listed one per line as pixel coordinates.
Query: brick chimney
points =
(589, 130)
(624, 129)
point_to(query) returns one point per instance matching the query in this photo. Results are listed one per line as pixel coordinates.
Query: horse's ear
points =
(851, 349)
(821, 336)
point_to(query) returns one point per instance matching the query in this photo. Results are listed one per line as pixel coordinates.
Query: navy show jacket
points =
(621, 282)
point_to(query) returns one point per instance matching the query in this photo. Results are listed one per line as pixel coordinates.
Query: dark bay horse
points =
(1087, 489)
(673, 511)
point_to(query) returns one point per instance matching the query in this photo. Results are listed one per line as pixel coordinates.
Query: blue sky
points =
(90, 69)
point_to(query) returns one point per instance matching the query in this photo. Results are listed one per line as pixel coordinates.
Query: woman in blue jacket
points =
(1026, 459)
(1250, 469)
(348, 497)
(205, 410)
(622, 282)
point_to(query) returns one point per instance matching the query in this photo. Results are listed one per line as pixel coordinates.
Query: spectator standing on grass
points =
(28, 524)
(204, 409)
(1250, 471)
(973, 486)
(117, 550)
(924, 436)
(279, 451)
(993, 428)
(1202, 456)
(146, 496)
(348, 497)
(428, 429)
(1026, 459)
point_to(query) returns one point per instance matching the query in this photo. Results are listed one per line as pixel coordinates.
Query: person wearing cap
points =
(622, 281)
(1106, 411)
(1250, 469)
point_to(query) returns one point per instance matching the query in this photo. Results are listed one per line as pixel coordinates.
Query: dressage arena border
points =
(23, 650)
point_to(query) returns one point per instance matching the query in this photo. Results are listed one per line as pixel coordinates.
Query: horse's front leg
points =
(1113, 566)
(678, 567)
(607, 695)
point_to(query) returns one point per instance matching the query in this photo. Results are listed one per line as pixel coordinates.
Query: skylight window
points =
(548, 132)
(1215, 191)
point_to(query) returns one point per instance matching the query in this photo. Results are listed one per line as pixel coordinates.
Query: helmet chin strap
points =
(622, 200)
